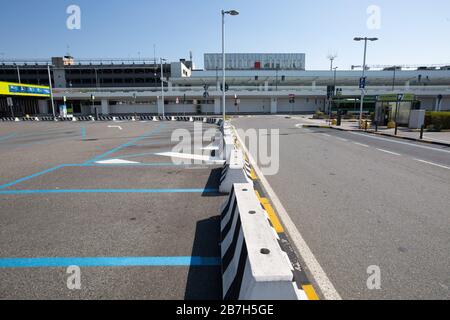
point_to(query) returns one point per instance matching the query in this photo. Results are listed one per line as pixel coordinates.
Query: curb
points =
(299, 275)
(377, 133)
(398, 137)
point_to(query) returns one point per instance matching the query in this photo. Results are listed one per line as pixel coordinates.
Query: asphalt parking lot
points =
(99, 195)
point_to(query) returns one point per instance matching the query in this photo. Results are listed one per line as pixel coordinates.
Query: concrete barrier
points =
(234, 172)
(253, 265)
(228, 147)
(248, 169)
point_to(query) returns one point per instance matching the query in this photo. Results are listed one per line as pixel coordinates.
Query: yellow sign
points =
(19, 89)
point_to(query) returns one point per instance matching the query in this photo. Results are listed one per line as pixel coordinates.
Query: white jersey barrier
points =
(234, 171)
(253, 265)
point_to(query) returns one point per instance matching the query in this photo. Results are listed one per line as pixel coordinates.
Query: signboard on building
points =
(396, 97)
(18, 89)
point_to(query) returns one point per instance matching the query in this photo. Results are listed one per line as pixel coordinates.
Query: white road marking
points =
(361, 144)
(191, 156)
(321, 278)
(342, 139)
(390, 152)
(433, 164)
(116, 161)
(400, 142)
(119, 127)
(326, 135)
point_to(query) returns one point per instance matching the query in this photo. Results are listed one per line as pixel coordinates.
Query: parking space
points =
(138, 224)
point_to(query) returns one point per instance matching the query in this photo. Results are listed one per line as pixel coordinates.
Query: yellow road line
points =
(310, 292)
(272, 215)
(253, 175)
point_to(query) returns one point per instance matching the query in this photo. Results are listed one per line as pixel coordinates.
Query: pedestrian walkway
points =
(405, 133)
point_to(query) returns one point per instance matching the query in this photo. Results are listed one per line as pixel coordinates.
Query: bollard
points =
(421, 132)
(376, 126)
(396, 128)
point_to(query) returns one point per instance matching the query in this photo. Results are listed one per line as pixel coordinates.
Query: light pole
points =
(162, 86)
(393, 78)
(18, 74)
(363, 72)
(334, 90)
(51, 90)
(331, 57)
(231, 13)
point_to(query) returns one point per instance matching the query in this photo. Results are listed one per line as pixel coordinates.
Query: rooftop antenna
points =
(190, 55)
(331, 57)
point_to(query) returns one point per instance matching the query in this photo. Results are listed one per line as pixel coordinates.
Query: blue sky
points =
(412, 32)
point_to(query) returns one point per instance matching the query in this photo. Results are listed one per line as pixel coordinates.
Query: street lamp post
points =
(231, 13)
(363, 71)
(162, 86)
(334, 91)
(51, 90)
(18, 74)
(393, 78)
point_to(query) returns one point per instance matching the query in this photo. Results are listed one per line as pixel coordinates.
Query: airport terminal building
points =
(256, 83)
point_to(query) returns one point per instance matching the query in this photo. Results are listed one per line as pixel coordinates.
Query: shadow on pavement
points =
(205, 282)
(213, 183)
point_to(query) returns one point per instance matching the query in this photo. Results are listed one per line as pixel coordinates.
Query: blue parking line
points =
(86, 165)
(8, 136)
(7, 263)
(127, 144)
(10, 184)
(59, 191)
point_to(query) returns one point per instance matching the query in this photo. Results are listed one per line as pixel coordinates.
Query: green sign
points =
(394, 97)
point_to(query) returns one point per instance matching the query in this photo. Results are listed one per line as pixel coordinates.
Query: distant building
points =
(255, 61)
(66, 72)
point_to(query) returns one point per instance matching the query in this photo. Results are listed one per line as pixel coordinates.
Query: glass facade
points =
(255, 61)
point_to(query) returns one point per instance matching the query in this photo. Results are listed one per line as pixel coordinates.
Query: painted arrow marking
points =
(119, 127)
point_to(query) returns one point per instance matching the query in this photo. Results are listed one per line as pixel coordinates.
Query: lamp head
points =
(231, 12)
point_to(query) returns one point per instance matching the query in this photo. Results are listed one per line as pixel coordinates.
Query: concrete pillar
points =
(170, 86)
(313, 85)
(105, 107)
(43, 107)
(217, 106)
(274, 105)
(437, 105)
(407, 84)
(160, 106)
(266, 85)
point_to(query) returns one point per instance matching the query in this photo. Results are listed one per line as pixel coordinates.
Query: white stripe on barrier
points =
(253, 264)
(234, 171)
